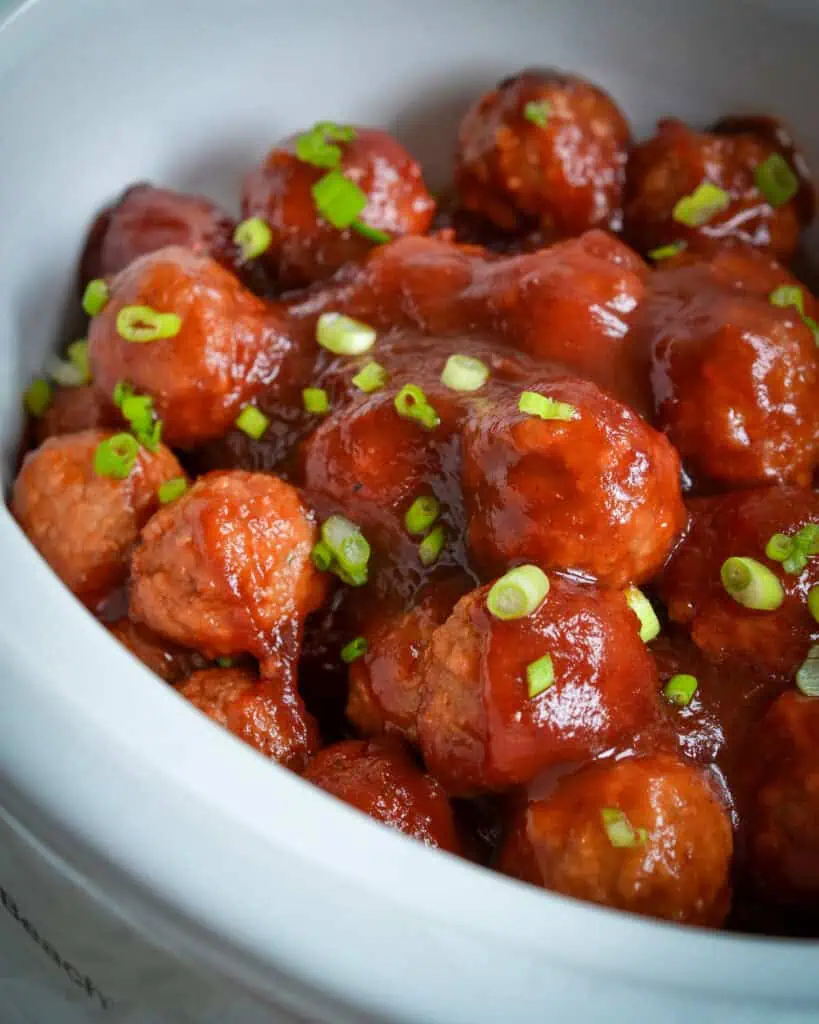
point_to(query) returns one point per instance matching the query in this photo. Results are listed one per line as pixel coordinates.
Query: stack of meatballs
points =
(492, 516)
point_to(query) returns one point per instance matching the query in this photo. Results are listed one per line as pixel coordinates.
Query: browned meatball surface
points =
(675, 858)
(381, 779)
(166, 660)
(267, 714)
(73, 410)
(226, 568)
(305, 246)
(547, 149)
(84, 524)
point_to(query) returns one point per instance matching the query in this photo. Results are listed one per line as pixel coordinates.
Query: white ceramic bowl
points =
(240, 868)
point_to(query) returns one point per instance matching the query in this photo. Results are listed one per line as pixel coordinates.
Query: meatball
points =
(592, 488)
(145, 219)
(166, 660)
(783, 818)
(306, 247)
(73, 410)
(226, 347)
(385, 682)
(677, 160)
(84, 524)
(741, 524)
(379, 778)
(666, 852)
(479, 728)
(267, 714)
(734, 379)
(544, 149)
(226, 568)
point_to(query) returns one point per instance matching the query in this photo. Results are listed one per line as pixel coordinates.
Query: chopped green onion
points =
(225, 662)
(751, 584)
(322, 556)
(642, 608)
(540, 675)
(680, 689)
(316, 401)
(794, 552)
(533, 404)
(776, 180)
(779, 547)
(807, 539)
(354, 650)
(338, 199)
(665, 252)
(141, 323)
(518, 593)
(253, 237)
(95, 297)
(122, 389)
(74, 371)
(464, 373)
(619, 829)
(537, 111)
(253, 422)
(171, 490)
(138, 410)
(788, 295)
(807, 676)
(430, 548)
(421, 514)
(344, 336)
(115, 456)
(412, 404)
(348, 548)
(371, 377)
(38, 396)
(314, 147)
(368, 231)
(813, 602)
(812, 324)
(704, 203)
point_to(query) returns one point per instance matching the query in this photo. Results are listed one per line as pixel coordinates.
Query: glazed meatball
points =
(145, 219)
(267, 714)
(734, 377)
(381, 779)
(166, 660)
(306, 247)
(385, 682)
(666, 852)
(85, 524)
(592, 488)
(673, 164)
(73, 410)
(479, 728)
(783, 819)
(740, 525)
(544, 149)
(226, 568)
(226, 346)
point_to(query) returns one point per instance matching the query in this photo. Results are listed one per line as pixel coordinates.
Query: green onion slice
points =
(354, 650)
(138, 411)
(788, 295)
(776, 180)
(794, 552)
(680, 689)
(812, 324)
(412, 404)
(74, 371)
(316, 146)
(430, 548)
(813, 602)
(518, 593)
(344, 336)
(37, 397)
(620, 832)
(751, 584)
(141, 324)
(122, 389)
(338, 199)
(322, 557)
(533, 404)
(701, 206)
(371, 377)
(348, 550)
(115, 457)
(642, 608)
(95, 297)
(665, 252)
(253, 422)
(537, 111)
(779, 547)
(540, 675)
(171, 490)
(464, 373)
(368, 231)
(421, 514)
(316, 401)
(807, 676)
(253, 237)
